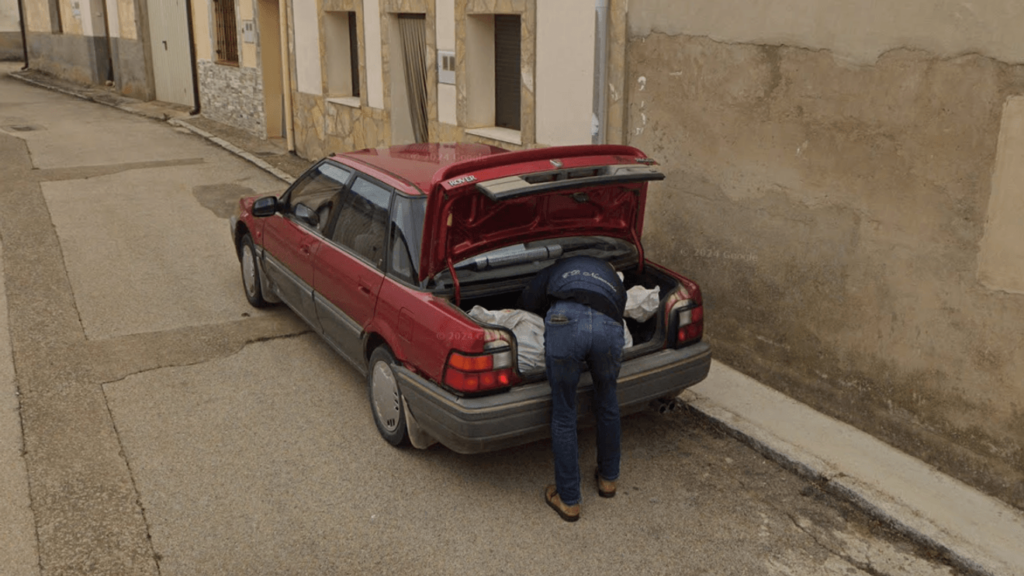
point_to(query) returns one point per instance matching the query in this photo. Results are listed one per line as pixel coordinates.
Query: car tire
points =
(251, 281)
(386, 400)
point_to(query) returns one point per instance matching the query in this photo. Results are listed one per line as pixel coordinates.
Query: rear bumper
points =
(523, 414)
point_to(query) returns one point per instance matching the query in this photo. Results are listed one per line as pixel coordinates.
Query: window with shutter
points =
(507, 71)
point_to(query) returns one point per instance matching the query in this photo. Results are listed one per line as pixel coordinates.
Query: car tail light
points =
(471, 372)
(684, 312)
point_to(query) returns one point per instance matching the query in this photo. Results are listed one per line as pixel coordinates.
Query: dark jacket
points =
(584, 279)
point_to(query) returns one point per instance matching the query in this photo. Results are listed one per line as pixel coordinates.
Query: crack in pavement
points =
(233, 352)
(87, 172)
(131, 474)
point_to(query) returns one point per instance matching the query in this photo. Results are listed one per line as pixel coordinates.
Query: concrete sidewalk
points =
(976, 532)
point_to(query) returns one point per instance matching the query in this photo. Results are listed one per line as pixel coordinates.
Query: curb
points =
(262, 164)
(233, 149)
(974, 532)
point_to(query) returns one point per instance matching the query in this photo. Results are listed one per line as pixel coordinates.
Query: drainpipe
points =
(286, 71)
(192, 57)
(600, 69)
(110, 51)
(24, 39)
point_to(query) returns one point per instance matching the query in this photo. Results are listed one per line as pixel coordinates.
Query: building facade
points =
(845, 181)
(366, 73)
(141, 47)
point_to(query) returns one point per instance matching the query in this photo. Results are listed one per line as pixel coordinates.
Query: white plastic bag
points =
(529, 332)
(642, 303)
(527, 327)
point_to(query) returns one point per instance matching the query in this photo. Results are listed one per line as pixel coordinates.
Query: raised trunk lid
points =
(495, 201)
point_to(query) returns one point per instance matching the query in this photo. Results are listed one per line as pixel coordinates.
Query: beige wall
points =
(835, 214)
(37, 14)
(855, 31)
(565, 71)
(71, 17)
(446, 93)
(201, 32)
(246, 51)
(126, 18)
(9, 16)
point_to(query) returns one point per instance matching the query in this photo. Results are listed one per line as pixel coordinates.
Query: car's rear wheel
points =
(251, 280)
(386, 400)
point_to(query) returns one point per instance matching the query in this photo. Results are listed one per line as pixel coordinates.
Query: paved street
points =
(151, 422)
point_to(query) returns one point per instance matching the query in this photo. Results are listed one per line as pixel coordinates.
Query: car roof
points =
(416, 164)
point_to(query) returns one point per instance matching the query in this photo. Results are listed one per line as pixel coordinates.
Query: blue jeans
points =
(574, 333)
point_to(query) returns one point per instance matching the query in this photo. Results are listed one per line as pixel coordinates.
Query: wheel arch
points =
(240, 231)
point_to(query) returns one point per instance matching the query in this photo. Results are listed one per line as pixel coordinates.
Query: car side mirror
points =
(266, 206)
(306, 215)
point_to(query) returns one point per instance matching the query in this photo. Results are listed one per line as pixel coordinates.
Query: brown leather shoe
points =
(568, 513)
(605, 488)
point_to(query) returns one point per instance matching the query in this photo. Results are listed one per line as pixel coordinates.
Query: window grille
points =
(227, 32)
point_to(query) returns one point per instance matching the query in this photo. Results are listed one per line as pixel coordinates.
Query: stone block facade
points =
(233, 95)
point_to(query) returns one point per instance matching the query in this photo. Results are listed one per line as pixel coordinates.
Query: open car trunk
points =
(647, 336)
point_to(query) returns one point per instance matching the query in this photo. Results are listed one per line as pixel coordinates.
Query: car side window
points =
(312, 197)
(407, 216)
(362, 219)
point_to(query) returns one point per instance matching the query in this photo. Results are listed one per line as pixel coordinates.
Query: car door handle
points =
(364, 289)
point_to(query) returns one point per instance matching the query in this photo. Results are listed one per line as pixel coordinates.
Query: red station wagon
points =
(384, 252)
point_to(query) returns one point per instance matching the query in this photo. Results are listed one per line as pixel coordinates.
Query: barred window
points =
(227, 32)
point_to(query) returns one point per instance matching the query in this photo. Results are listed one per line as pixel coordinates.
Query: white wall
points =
(374, 61)
(857, 31)
(565, 71)
(307, 47)
(115, 24)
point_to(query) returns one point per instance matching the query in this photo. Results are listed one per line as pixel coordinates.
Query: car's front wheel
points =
(251, 273)
(386, 400)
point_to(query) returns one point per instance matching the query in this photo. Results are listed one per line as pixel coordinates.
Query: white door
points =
(168, 38)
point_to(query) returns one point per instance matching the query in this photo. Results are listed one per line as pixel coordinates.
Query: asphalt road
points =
(168, 428)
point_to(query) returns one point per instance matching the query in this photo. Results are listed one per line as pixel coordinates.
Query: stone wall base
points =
(233, 95)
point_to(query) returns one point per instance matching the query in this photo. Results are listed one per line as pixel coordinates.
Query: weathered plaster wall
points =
(74, 57)
(853, 31)
(10, 46)
(830, 195)
(37, 15)
(10, 31)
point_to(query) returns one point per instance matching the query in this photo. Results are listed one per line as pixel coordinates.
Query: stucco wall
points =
(78, 58)
(565, 72)
(829, 189)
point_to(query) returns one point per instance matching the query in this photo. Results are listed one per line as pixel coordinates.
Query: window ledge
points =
(499, 134)
(350, 101)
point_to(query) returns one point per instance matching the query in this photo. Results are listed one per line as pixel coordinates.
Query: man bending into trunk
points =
(583, 299)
